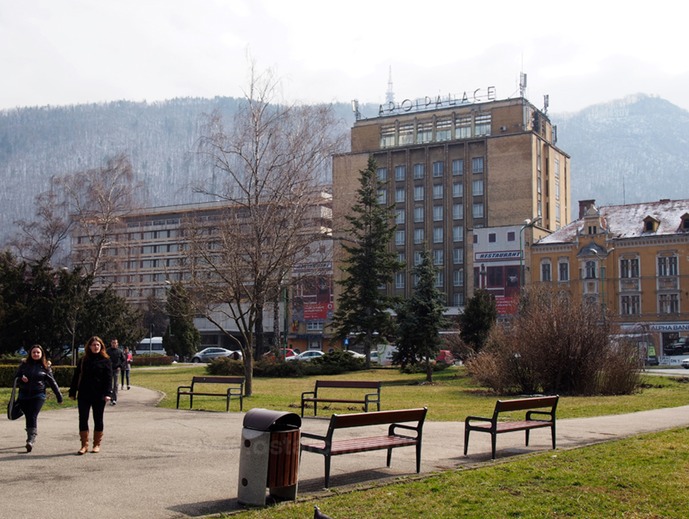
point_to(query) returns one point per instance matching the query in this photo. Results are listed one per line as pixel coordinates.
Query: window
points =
(457, 190)
(382, 174)
(402, 258)
(630, 305)
(629, 268)
(382, 196)
(437, 213)
(482, 124)
(563, 271)
(463, 127)
(418, 236)
(400, 216)
(458, 299)
(418, 214)
(437, 191)
(438, 169)
(457, 233)
(424, 132)
(439, 279)
(492, 237)
(458, 167)
(668, 303)
(443, 130)
(457, 211)
(667, 266)
(418, 257)
(511, 236)
(477, 210)
(477, 187)
(314, 325)
(400, 195)
(458, 277)
(418, 193)
(438, 257)
(387, 136)
(458, 256)
(399, 280)
(545, 271)
(406, 134)
(477, 165)
(419, 171)
(399, 237)
(438, 235)
(590, 270)
(400, 172)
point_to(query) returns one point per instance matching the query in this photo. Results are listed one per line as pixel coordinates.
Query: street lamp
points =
(528, 223)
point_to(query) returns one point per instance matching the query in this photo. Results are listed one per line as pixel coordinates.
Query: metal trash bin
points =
(269, 456)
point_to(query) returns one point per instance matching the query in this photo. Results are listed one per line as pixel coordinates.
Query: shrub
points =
(151, 360)
(62, 374)
(555, 346)
(225, 366)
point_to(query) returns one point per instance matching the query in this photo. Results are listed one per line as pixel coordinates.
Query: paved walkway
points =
(166, 463)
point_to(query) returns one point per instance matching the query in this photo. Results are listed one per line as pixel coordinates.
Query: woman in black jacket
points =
(34, 376)
(92, 386)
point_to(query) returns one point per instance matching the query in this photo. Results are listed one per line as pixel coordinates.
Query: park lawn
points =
(451, 397)
(642, 476)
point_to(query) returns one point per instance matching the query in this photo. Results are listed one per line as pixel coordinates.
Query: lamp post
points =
(528, 223)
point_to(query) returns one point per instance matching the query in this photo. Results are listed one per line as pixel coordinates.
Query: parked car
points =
(356, 354)
(678, 347)
(208, 354)
(685, 363)
(307, 355)
(287, 353)
(445, 356)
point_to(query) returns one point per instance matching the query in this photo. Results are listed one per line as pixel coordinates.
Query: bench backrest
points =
(352, 384)
(341, 421)
(217, 380)
(523, 404)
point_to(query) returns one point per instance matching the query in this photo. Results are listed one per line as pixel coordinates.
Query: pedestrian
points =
(126, 367)
(117, 361)
(92, 387)
(34, 376)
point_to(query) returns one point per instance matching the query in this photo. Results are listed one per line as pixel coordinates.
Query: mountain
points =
(625, 151)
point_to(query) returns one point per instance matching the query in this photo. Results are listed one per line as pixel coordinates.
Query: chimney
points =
(584, 206)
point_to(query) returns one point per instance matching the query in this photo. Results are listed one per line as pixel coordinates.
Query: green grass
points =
(451, 397)
(645, 476)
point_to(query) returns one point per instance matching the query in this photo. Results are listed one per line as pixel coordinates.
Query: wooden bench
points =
(494, 427)
(234, 387)
(314, 398)
(328, 447)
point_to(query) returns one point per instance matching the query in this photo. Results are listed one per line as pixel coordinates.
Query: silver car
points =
(208, 354)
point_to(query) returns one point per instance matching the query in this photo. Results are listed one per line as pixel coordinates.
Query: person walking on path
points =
(126, 367)
(117, 361)
(34, 376)
(92, 387)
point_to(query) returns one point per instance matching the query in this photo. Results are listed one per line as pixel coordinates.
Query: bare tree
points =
(269, 169)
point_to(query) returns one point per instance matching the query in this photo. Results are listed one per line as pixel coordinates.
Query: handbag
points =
(14, 411)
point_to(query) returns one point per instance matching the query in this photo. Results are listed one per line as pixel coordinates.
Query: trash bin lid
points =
(269, 420)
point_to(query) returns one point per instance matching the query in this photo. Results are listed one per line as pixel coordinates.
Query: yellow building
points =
(452, 165)
(632, 260)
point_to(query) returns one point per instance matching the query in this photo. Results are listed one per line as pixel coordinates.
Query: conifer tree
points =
(480, 314)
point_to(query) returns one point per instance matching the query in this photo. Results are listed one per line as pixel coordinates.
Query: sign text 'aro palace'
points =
(434, 103)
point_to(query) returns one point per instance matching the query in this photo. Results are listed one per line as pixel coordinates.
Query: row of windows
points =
(419, 235)
(443, 129)
(667, 266)
(666, 304)
(457, 279)
(438, 169)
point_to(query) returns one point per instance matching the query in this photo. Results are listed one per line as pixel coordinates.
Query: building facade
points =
(452, 166)
(631, 260)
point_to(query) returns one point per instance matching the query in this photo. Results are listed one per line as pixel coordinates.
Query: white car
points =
(208, 354)
(306, 356)
(356, 355)
(685, 363)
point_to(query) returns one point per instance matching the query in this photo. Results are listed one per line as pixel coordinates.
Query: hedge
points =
(63, 375)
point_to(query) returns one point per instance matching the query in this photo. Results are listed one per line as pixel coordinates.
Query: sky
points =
(66, 52)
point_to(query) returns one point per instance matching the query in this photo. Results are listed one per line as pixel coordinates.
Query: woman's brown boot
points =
(84, 435)
(97, 437)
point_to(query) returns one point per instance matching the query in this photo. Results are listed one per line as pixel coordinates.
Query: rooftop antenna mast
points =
(390, 95)
(522, 84)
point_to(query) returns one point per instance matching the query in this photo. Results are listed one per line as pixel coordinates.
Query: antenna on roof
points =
(546, 103)
(522, 84)
(390, 95)
(355, 109)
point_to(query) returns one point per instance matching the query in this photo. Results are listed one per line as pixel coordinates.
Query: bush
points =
(555, 346)
(225, 366)
(151, 360)
(62, 374)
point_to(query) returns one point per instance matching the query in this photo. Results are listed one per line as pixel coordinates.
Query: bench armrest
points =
(393, 427)
(179, 388)
(314, 436)
(306, 393)
(477, 419)
(549, 414)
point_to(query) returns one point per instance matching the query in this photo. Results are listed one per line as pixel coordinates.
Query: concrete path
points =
(162, 463)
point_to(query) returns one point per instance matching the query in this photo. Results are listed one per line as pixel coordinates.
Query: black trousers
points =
(31, 408)
(85, 405)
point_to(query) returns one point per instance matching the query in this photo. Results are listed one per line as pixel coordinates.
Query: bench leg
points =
(327, 471)
(493, 438)
(418, 457)
(527, 437)
(389, 460)
(552, 430)
(466, 439)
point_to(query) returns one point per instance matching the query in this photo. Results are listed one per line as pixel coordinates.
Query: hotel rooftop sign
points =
(438, 102)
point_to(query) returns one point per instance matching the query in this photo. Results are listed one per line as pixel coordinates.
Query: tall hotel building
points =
(471, 178)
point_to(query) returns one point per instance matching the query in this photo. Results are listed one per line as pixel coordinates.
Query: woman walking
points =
(34, 376)
(92, 387)
(126, 367)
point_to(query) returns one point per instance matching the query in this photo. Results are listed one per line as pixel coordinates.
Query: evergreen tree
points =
(182, 337)
(363, 308)
(420, 318)
(480, 314)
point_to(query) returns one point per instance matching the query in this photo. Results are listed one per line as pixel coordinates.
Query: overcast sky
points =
(61, 52)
